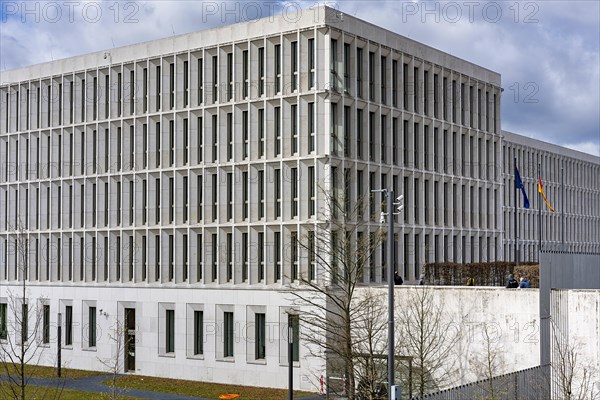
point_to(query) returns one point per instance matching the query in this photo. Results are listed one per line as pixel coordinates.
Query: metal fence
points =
(528, 384)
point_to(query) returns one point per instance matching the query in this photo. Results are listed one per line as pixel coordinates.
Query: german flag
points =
(541, 191)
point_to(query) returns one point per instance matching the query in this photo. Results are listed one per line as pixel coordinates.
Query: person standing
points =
(512, 282)
(524, 283)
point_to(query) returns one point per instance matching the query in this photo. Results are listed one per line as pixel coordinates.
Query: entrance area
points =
(129, 338)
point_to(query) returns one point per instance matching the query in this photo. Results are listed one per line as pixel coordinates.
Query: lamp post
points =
(390, 203)
(290, 362)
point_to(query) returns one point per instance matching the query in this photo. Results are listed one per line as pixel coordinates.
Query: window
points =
(359, 69)
(334, 129)
(144, 90)
(261, 194)
(383, 79)
(277, 192)
(416, 89)
(46, 324)
(259, 336)
(245, 74)
(144, 258)
(294, 255)
(346, 67)
(171, 142)
(359, 126)
(261, 71)
(68, 325)
(371, 136)
(171, 258)
(371, 76)
(184, 244)
(185, 141)
(294, 183)
(261, 256)
(334, 62)
(214, 197)
(200, 81)
(132, 87)
(229, 136)
(158, 150)
(198, 332)
(228, 334)
(119, 94)
(229, 252)
(347, 131)
(311, 256)
(261, 132)
(383, 138)
(3, 321)
(294, 123)
(294, 324)
(157, 258)
(215, 79)
(311, 191)
(277, 254)
(277, 68)
(214, 257)
(229, 76)
(215, 138)
(200, 258)
(395, 83)
(294, 65)
(244, 257)
(277, 129)
(311, 63)
(92, 327)
(426, 92)
(245, 134)
(171, 200)
(170, 331)
(311, 127)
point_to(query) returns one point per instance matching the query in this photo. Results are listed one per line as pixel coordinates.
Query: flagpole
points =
(539, 211)
(516, 227)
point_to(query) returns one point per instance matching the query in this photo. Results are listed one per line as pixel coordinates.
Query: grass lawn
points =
(42, 392)
(202, 389)
(37, 371)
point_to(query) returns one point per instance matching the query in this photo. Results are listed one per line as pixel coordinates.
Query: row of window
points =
(554, 167)
(422, 92)
(119, 91)
(259, 336)
(255, 257)
(362, 136)
(268, 194)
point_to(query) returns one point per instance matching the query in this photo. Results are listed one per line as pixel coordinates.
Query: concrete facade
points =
(571, 181)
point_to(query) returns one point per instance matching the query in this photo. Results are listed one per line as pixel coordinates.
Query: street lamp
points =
(390, 275)
(290, 362)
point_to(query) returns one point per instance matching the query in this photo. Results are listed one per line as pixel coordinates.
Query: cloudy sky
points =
(548, 52)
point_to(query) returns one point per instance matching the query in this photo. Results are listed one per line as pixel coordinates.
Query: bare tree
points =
(21, 344)
(115, 363)
(423, 336)
(572, 377)
(337, 249)
(489, 363)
